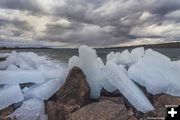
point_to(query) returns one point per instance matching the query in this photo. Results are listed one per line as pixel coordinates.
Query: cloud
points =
(29, 5)
(91, 22)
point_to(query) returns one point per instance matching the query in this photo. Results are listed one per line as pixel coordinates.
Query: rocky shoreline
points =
(72, 102)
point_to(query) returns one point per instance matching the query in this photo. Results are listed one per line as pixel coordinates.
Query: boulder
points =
(165, 99)
(157, 113)
(54, 111)
(105, 110)
(118, 100)
(75, 90)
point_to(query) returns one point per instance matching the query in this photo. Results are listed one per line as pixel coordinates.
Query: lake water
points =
(62, 55)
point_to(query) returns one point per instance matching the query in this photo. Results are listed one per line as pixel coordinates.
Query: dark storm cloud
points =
(16, 23)
(101, 22)
(20, 26)
(28, 5)
(163, 7)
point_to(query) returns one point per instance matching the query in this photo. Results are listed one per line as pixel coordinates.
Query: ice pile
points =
(157, 73)
(18, 69)
(126, 58)
(32, 109)
(111, 76)
(9, 95)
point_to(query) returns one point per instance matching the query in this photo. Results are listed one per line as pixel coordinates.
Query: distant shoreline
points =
(161, 45)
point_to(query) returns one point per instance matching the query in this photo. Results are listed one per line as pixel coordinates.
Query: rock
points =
(130, 113)
(114, 93)
(165, 99)
(75, 90)
(54, 111)
(118, 100)
(158, 113)
(132, 118)
(4, 113)
(105, 110)
(59, 111)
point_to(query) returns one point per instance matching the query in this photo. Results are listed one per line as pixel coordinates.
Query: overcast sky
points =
(70, 23)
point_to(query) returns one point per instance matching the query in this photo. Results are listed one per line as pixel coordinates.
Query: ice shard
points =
(117, 77)
(32, 109)
(10, 94)
(157, 74)
(43, 91)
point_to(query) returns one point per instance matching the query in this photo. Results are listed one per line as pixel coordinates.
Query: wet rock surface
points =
(105, 110)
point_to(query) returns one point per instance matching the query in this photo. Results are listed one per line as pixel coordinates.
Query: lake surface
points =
(62, 55)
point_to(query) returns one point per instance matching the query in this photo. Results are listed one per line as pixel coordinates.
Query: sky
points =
(97, 23)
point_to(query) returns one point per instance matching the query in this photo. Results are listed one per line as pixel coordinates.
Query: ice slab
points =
(74, 61)
(157, 73)
(32, 109)
(20, 76)
(91, 66)
(155, 54)
(137, 54)
(10, 94)
(118, 78)
(28, 61)
(12, 67)
(125, 58)
(30, 76)
(43, 91)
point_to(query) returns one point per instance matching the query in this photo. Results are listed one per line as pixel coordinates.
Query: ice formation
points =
(20, 76)
(126, 58)
(148, 68)
(43, 91)
(111, 76)
(32, 109)
(157, 73)
(28, 67)
(10, 94)
(118, 78)
(91, 66)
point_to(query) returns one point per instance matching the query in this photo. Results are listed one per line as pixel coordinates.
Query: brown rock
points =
(165, 99)
(130, 113)
(54, 111)
(132, 118)
(75, 90)
(105, 110)
(157, 114)
(118, 100)
(4, 114)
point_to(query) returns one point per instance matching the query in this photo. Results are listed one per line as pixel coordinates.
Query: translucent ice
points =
(157, 73)
(9, 95)
(74, 61)
(117, 77)
(155, 54)
(43, 91)
(125, 58)
(12, 67)
(32, 109)
(20, 76)
(27, 61)
(29, 76)
(137, 54)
